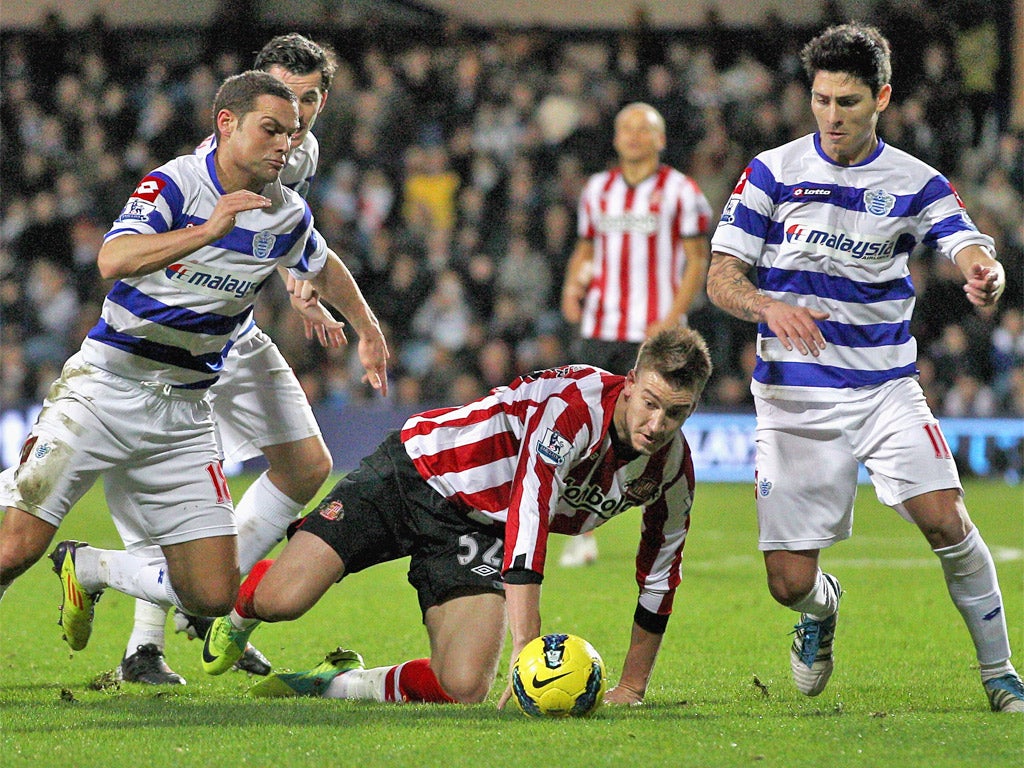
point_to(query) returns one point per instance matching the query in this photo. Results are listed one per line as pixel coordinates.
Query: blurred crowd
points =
(451, 164)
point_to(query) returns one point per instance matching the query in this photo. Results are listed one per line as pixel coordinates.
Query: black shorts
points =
(384, 510)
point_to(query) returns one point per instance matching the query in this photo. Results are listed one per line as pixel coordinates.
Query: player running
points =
(829, 222)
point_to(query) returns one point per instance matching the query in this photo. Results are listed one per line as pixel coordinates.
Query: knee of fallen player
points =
(467, 685)
(281, 601)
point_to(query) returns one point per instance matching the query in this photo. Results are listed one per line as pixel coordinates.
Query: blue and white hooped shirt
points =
(838, 238)
(176, 325)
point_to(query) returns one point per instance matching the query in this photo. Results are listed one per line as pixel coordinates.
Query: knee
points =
(277, 606)
(788, 589)
(210, 599)
(465, 688)
(300, 481)
(315, 469)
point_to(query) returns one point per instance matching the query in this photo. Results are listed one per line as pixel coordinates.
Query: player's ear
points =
(630, 381)
(225, 122)
(884, 95)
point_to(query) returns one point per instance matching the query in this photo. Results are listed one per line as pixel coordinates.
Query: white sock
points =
(240, 622)
(361, 684)
(150, 621)
(971, 578)
(143, 577)
(262, 516)
(822, 601)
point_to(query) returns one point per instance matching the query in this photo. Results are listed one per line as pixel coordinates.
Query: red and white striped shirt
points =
(638, 257)
(537, 457)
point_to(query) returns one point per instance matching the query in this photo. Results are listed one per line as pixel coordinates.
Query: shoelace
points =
(809, 632)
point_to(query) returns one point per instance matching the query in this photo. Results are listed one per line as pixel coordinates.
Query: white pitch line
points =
(999, 554)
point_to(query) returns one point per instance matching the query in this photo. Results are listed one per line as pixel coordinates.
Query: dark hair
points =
(300, 56)
(856, 49)
(238, 93)
(680, 356)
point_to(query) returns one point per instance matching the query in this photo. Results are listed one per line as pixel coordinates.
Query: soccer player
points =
(471, 493)
(192, 246)
(640, 260)
(829, 221)
(258, 403)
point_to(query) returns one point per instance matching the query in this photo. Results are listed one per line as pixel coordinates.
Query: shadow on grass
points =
(127, 709)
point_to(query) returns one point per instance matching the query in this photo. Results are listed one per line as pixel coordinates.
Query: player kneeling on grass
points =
(471, 493)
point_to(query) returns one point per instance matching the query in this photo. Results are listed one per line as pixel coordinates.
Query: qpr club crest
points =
(878, 202)
(764, 487)
(263, 244)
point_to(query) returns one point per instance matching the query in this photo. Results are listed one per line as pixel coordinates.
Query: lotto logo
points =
(149, 189)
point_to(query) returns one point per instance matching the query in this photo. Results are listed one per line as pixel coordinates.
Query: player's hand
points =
(320, 324)
(572, 304)
(373, 354)
(506, 695)
(796, 327)
(623, 694)
(985, 285)
(228, 206)
(301, 290)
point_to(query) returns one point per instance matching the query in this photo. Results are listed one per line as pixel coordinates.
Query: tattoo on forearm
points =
(730, 289)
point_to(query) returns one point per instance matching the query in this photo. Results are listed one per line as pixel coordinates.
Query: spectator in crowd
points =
(485, 114)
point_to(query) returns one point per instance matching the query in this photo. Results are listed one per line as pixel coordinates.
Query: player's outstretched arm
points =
(522, 604)
(637, 668)
(336, 284)
(138, 254)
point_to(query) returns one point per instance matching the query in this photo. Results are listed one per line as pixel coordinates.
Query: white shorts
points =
(154, 447)
(258, 401)
(808, 454)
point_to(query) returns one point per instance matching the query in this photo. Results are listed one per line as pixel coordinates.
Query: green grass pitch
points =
(905, 691)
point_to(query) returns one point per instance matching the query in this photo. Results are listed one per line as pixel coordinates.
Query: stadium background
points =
(454, 147)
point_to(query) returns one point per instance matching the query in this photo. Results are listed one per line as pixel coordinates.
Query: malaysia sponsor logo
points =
(878, 202)
(263, 244)
(208, 281)
(642, 223)
(553, 447)
(591, 499)
(840, 243)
